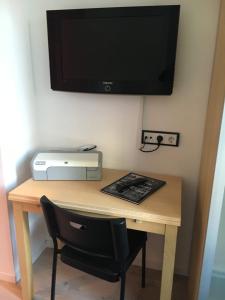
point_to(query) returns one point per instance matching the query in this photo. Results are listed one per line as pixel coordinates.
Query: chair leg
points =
(122, 285)
(143, 266)
(54, 266)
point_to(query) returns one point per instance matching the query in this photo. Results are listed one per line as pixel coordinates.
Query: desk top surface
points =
(164, 206)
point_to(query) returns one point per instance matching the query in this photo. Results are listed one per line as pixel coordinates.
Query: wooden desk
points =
(160, 213)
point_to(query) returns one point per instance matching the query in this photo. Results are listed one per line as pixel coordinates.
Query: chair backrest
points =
(100, 237)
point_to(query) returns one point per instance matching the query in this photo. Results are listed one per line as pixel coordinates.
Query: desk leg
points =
(23, 246)
(168, 262)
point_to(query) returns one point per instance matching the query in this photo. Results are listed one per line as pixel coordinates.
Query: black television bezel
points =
(136, 87)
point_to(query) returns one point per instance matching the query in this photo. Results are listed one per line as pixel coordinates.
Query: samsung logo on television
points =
(107, 86)
(107, 82)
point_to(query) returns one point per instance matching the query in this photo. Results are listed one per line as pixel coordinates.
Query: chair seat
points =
(101, 267)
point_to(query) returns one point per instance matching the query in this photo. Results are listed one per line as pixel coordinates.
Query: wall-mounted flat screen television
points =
(126, 50)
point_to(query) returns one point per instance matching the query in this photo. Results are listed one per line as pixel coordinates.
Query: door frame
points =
(208, 159)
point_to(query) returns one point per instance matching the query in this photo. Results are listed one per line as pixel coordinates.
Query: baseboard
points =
(37, 251)
(218, 274)
(49, 243)
(157, 265)
(7, 277)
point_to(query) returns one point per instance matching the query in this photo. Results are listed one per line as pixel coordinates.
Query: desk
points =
(160, 213)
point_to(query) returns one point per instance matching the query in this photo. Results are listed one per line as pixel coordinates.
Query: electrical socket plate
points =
(169, 138)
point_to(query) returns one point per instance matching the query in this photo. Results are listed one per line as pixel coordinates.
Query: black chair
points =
(102, 247)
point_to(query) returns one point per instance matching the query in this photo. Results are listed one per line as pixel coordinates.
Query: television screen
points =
(129, 50)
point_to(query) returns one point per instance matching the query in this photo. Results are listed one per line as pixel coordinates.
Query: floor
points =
(73, 284)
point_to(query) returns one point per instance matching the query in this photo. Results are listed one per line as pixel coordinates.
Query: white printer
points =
(60, 165)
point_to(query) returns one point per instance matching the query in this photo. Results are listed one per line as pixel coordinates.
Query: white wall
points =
(219, 261)
(113, 122)
(219, 183)
(18, 134)
(17, 114)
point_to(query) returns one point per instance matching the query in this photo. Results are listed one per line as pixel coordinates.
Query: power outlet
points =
(169, 138)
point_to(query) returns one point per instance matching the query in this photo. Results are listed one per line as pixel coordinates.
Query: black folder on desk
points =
(135, 193)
